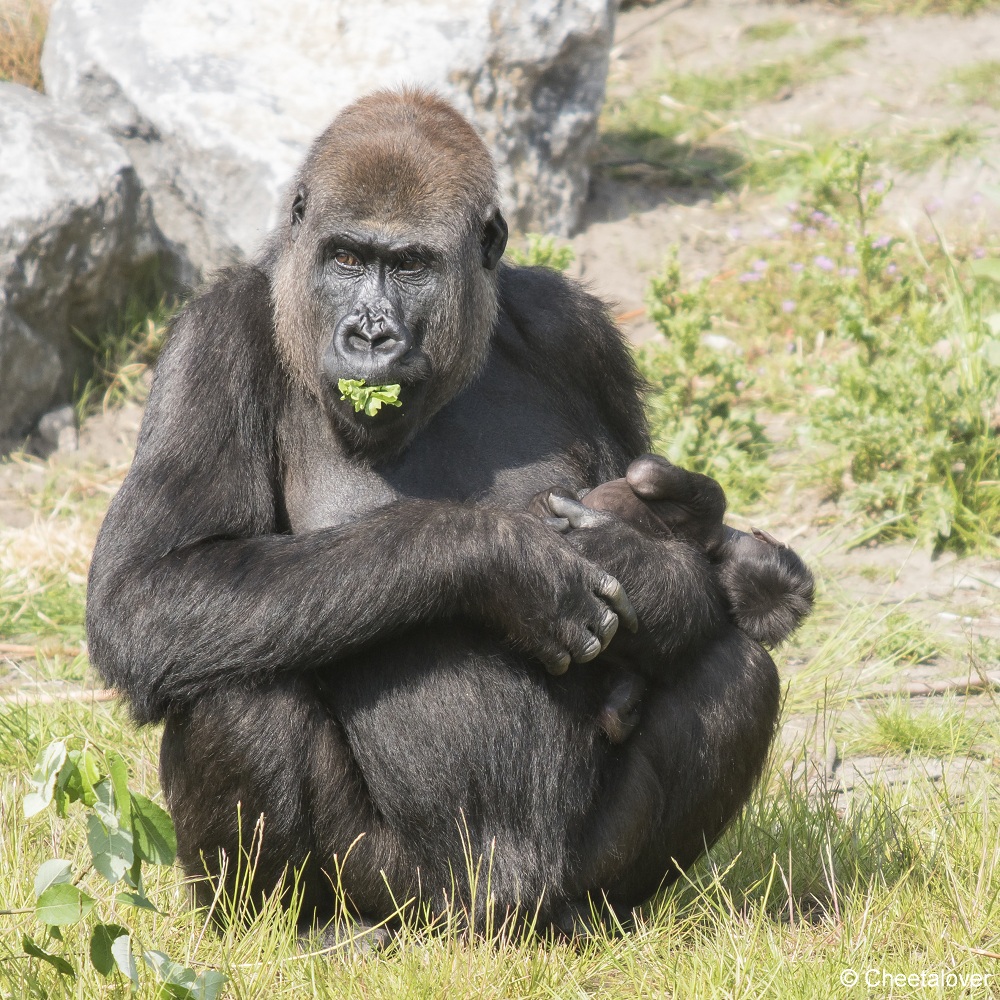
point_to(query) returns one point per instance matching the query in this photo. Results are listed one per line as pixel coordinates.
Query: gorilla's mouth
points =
(391, 424)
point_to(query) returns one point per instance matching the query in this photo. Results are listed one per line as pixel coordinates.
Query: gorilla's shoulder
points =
(222, 337)
(546, 307)
(236, 303)
(565, 336)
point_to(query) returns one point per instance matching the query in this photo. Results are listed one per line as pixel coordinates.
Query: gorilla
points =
(357, 634)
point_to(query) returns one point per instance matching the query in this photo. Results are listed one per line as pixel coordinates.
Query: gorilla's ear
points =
(493, 240)
(298, 208)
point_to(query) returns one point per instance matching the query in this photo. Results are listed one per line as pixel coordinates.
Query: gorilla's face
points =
(378, 292)
(385, 269)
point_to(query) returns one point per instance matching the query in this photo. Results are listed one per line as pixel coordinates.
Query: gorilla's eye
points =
(346, 259)
(411, 265)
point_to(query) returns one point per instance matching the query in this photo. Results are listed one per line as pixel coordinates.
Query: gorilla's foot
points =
(619, 714)
(346, 938)
(590, 918)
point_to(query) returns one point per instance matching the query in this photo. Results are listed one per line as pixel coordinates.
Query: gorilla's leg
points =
(274, 752)
(438, 768)
(684, 774)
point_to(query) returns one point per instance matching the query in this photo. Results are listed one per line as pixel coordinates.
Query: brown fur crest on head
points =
(400, 164)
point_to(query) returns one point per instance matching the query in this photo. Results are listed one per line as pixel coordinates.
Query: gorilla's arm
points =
(193, 586)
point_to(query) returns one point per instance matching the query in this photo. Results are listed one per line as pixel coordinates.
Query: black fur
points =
(344, 624)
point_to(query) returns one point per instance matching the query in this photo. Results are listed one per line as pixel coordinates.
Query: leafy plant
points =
(891, 357)
(369, 398)
(543, 251)
(699, 411)
(124, 830)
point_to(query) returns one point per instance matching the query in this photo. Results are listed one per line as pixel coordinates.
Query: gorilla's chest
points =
(491, 445)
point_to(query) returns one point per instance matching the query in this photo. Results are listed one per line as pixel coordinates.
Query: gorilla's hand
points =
(548, 599)
(689, 504)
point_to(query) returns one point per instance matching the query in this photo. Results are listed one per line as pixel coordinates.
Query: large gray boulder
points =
(76, 234)
(217, 100)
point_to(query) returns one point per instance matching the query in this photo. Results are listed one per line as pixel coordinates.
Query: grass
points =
(677, 128)
(22, 31)
(978, 83)
(960, 8)
(943, 730)
(768, 31)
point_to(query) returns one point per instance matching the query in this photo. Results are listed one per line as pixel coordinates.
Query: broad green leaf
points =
(177, 980)
(154, 840)
(119, 781)
(136, 899)
(124, 959)
(54, 872)
(110, 849)
(63, 904)
(209, 984)
(988, 268)
(59, 964)
(103, 937)
(43, 779)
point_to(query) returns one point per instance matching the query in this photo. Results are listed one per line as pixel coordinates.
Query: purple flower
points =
(796, 227)
(850, 248)
(879, 186)
(750, 276)
(882, 242)
(849, 272)
(933, 205)
(818, 216)
(979, 253)
(977, 198)
(824, 263)
(891, 269)
(760, 265)
(797, 267)
(792, 206)
(812, 232)
(788, 306)
(735, 233)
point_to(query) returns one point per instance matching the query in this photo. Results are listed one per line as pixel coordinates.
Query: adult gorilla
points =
(343, 619)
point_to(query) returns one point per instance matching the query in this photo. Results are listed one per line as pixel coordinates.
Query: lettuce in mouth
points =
(368, 397)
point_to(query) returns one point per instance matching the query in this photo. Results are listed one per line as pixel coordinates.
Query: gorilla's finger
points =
(585, 646)
(574, 511)
(556, 661)
(614, 593)
(652, 478)
(607, 628)
(561, 524)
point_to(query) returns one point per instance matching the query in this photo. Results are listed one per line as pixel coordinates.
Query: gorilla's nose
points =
(372, 332)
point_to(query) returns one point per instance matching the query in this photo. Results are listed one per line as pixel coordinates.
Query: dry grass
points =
(22, 32)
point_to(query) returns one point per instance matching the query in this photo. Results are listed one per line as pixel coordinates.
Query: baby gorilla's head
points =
(768, 588)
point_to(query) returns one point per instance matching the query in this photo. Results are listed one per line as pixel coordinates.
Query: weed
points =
(898, 388)
(22, 32)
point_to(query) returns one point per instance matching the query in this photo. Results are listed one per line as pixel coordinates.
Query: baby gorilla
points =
(768, 588)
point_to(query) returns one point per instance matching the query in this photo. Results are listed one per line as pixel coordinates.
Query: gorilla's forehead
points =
(402, 156)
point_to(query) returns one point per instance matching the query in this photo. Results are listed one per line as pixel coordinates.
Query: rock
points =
(76, 234)
(58, 429)
(217, 100)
